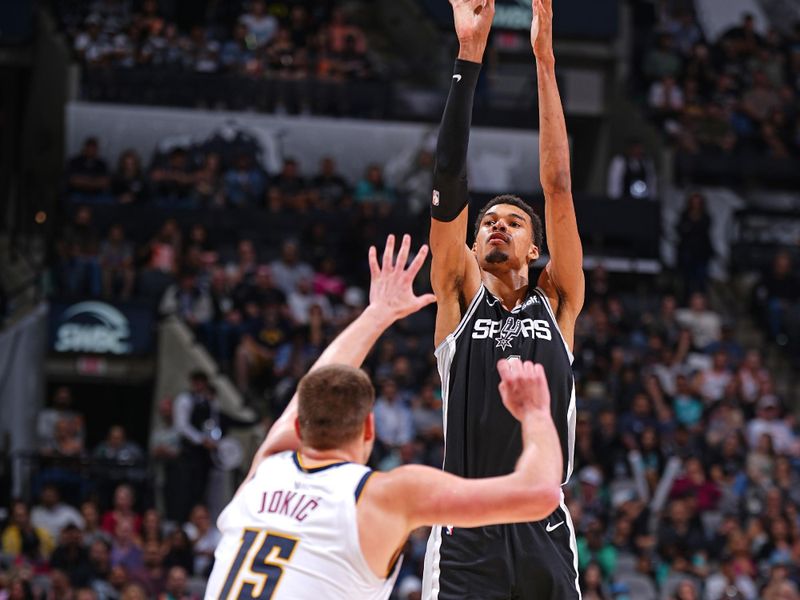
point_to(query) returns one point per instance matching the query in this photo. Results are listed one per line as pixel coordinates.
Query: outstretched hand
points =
(473, 22)
(391, 286)
(542, 28)
(523, 387)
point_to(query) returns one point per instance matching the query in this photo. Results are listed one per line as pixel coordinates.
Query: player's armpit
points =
(454, 272)
(427, 496)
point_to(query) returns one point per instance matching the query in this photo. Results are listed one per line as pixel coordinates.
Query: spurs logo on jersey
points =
(505, 332)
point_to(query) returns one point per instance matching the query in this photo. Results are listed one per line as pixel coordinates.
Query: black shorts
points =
(523, 561)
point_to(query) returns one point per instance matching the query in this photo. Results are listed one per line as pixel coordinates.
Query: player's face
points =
(505, 239)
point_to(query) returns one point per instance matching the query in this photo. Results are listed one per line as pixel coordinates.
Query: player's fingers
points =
(418, 261)
(503, 368)
(402, 256)
(388, 254)
(374, 267)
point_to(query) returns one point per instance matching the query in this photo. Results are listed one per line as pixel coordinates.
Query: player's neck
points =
(317, 458)
(511, 287)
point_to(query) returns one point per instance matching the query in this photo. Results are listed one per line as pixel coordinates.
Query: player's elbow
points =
(558, 182)
(541, 501)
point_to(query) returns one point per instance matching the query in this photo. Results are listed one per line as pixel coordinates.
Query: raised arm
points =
(391, 298)
(562, 280)
(412, 496)
(454, 272)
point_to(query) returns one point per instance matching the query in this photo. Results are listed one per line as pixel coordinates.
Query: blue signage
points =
(95, 327)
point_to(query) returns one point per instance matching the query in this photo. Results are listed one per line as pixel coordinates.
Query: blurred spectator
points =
(303, 298)
(71, 556)
(179, 551)
(165, 448)
(592, 548)
(695, 485)
(204, 537)
(116, 264)
(100, 568)
(61, 409)
(173, 182)
(331, 185)
(244, 184)
(52, 515)
(122, 510)
(632, 175)
(117, 448)
(289, 269)
(66, 441)
(713, 381)
(328, 282)
(265, 330)
(289, 181)
(87, 173)
(341, 30)
(704, 324)
(60, 586)
(78, 253)
(663, 60)
(154, 575)
(125, 549)
(776, 295)
(372, 189)
(261, 27)
(394, 425)
(768, 422)
(197, 420)
(23, 539)
(694, 246)
(92, 530)
(128, 184)
(187, 300)
(208, 185)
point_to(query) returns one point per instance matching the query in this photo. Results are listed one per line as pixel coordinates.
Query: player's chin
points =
(495, 256)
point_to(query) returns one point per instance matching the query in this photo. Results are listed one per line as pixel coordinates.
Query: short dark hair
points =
(536, 222)
(332, 404)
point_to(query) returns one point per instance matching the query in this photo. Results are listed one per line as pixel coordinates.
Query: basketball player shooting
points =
(490, 308)
(313, 522)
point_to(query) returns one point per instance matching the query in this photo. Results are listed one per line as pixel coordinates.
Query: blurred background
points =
(188, 191)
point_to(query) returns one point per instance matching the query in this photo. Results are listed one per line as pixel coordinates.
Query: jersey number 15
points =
(260, 579)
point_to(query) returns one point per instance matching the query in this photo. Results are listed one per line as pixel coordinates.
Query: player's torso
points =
(292, 533)
(482, 438)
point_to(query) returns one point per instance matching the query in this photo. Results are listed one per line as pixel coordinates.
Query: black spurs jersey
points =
(519, 561)
(482, 439)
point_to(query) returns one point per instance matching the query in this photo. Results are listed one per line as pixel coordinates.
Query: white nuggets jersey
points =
(291, 533)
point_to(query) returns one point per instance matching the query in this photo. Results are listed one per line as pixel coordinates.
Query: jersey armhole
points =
(362, 484)
(473, 305)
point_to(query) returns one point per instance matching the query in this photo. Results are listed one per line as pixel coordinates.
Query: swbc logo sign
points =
(94, 327)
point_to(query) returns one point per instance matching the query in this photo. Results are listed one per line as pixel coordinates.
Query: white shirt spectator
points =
(54, 518)
(665, 97)
(300, 302)
(262, 28)
(767, 421)
(393, 422)
(705, 326)
(718, 583)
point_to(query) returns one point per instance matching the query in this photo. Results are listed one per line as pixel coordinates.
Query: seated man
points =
(312, 521)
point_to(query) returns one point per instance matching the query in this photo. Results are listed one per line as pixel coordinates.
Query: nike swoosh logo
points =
(457, 77)
(550, 528)
(492, 302)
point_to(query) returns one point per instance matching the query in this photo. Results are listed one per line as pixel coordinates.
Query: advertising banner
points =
(96, 327)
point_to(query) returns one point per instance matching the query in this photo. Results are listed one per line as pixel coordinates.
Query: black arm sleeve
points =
(450, 173)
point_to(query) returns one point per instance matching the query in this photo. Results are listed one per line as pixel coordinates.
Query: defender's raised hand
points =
(523, 387)
(473, 21)
(542, 29)
(391, 286)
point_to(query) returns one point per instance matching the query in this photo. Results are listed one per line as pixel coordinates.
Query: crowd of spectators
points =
(130, 47)
(687, 461)
(729, 105)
